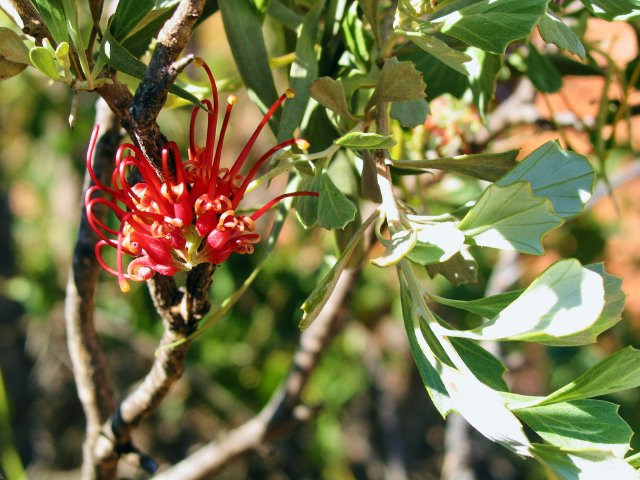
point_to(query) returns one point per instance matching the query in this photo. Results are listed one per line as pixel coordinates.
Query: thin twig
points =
(284, 411)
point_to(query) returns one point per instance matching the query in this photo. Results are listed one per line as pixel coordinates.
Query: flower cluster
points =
(173, 220)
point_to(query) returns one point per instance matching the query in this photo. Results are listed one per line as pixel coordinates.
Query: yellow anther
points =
(302, 144)
(232, 99)
(290, 92)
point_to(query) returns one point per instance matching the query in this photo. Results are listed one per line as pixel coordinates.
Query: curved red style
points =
(187, 216)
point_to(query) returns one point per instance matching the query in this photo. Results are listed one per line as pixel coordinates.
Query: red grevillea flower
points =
(187, 215)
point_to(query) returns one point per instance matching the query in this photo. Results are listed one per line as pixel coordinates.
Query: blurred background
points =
(375, 419)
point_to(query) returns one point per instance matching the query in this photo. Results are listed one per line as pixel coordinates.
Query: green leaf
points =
(565, 177)
(45, 62)
(369, 178)
(330, 94)
(542, 72)
(483, 70)
(128, 14)
(583, 464)
(436, 243)
(614, 298)
(397, 82)
(580, 425)
(410, 113)
(442, 79)
(400, 245)
(335, 210)
(560, 307)
(306, 205)
(485, 409)
(52, 13)
(12, 48)
(370, 9)
(366, 141)
(485, 166)
(283, 14)
(493, 24)
(120, 59)
(460, 269)
(244, 32)
(487, 368)
(511, 218)
(553, 30)
(313, 305)
(619, 371)
(303, 71)
(454, 59)
(431, 379)
(613, 9)
(487, 307)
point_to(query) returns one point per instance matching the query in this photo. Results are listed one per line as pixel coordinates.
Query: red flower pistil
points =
(187, 215)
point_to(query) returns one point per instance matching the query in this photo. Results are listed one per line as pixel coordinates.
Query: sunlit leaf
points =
(128, 14)
(460, 269)
(398, 247)
(583, 464)
(511, 218)
(436, 243)
(565, 177)
(483, 69)
(487, 368)
(560, 307)
(45, 62)
(52, 13)
(613, 9)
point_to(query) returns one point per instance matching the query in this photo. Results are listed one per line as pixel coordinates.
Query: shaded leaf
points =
(580, 424)
(366, 141)
(487, 307)
(566, 178)
(485, 166)
(303, 71)
(553, 30)
(410, 113)
(52, 13)
(542, 72)
(335, 210)
(12, 48)
(307, 206)
(244, 32)
(460, 269)
(397, 82)
(127, 15)
(492, 24)
(511, 218)
(483, 69)
(619, 371)
(313, 305)
(369, 179)
(454, 59)
(487, 368)
(330, 93)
